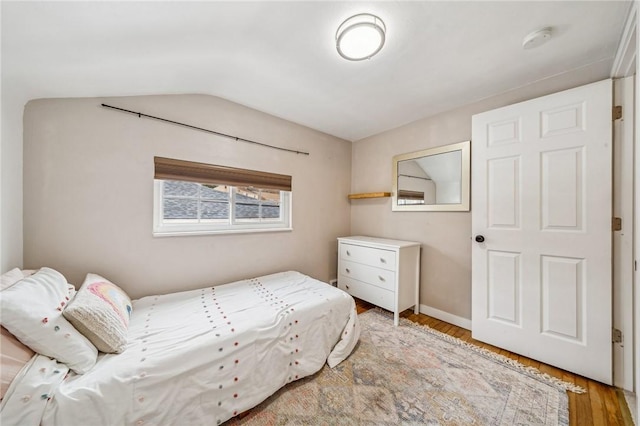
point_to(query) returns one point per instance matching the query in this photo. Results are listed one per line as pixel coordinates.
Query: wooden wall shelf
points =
(369, 195)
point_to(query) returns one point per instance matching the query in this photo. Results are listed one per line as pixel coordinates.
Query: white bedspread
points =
(201, 357)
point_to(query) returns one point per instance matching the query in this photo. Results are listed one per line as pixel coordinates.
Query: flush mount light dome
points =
(360, 37)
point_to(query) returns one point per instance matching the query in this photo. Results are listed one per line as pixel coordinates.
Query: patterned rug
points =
(414, 375)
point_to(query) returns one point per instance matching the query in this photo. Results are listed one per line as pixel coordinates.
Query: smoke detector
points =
(536, 38)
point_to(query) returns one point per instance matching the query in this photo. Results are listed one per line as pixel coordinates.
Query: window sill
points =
(162, 234)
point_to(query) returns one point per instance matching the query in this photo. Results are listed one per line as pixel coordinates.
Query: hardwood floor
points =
(602, 405)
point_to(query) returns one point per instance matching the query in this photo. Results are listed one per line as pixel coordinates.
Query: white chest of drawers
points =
(381, 271)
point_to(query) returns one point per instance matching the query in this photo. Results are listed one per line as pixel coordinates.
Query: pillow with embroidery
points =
(32, 312)
(101, 312)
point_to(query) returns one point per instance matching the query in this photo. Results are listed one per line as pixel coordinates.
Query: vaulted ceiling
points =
(280, 57)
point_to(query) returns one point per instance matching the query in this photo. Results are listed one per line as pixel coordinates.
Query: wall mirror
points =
(435, 179)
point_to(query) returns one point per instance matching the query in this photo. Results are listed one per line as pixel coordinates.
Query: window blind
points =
(172, 169)
(410, 195)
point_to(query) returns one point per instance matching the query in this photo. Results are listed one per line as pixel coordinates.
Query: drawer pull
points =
(381, 278)
(348, 254)
(347, 287)
(347, 270)
(383, 260)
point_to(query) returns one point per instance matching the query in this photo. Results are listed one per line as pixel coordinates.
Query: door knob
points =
(479, 239)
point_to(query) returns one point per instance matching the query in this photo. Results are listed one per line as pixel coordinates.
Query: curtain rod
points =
(140, 115)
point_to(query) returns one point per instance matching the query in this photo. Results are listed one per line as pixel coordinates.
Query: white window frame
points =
(161, 228)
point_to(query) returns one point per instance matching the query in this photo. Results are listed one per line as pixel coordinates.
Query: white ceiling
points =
(280, 57)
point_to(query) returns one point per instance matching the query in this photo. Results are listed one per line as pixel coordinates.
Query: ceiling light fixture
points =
(360, 37)
(536, 38)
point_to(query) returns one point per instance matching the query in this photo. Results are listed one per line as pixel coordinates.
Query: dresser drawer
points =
(376, 295)
(379, 277)
(369, 256)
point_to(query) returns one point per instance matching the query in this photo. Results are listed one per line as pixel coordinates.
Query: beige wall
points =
(11, 180)
(88, 192)
(445, 282)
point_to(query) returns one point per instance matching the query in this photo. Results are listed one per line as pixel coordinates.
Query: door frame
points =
(626, 64)
(623, 240)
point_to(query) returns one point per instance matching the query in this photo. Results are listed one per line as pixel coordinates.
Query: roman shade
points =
(410, 195)
(172, 169)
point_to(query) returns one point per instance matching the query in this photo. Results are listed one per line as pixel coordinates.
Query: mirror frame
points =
(465, 178)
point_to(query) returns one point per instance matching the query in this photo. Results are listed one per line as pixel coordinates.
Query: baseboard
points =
(628, 406)
(446, 317)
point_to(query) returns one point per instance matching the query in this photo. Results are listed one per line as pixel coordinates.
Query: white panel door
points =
(541, 213)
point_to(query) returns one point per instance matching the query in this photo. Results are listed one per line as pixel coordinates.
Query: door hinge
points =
(616, 224)
(616, 336)
(617, 112)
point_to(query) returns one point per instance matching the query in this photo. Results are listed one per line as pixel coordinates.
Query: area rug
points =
(414, 375)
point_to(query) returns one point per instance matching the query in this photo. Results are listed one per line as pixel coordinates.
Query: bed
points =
(190, 358)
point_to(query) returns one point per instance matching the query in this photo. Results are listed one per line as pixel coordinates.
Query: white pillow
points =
(101, 312)
(72, 288)
(32, 311)
(10, 278)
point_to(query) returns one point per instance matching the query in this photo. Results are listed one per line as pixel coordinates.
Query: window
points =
(197, 198)
(406, 198)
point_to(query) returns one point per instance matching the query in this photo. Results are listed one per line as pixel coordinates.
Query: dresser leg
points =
(396, 318)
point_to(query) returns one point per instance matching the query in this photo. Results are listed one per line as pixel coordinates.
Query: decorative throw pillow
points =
(101, 312)
(10, 278)
(32, 312)
(13, 356)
